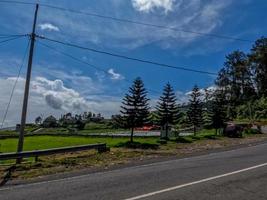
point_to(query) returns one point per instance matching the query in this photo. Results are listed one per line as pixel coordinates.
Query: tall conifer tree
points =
(135, 108)
(167, 109)
(195, 111)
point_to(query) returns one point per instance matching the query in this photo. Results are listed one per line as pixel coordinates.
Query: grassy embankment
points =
(145, 148)
(46, 142)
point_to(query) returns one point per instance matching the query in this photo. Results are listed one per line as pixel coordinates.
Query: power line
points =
(12, 35)
(14, 86)
(146, 24)
(86, 63)
(225, 37)
(10, 39)
(17, 2)
(127, 57)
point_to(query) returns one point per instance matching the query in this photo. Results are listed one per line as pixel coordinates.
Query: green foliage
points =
(207, 108)
(253, 110)
(258, 63)
(50, 122)
(135, 108)
(219, 110)
(195, 112)
(97, 126)
(117, 122)
(153, 117)
(236, 78)
(47, 142)
(80, 124)
(251, 131)
(244, 80)
(260, 108)
(167, 109)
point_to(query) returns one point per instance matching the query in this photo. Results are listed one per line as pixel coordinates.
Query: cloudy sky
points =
(60, 84)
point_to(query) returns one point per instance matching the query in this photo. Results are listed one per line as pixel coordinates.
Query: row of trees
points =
(243, 79)
(241, 82)
(70, 120)
(135, 109)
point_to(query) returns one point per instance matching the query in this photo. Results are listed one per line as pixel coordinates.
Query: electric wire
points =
(219, 36)
(86, 63)
(11, 39)
(15, 84)
(127, 57)
(146, 24)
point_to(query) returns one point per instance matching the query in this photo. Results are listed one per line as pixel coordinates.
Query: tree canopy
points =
(135, 106)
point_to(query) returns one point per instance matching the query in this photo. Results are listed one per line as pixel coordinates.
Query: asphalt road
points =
(238, 174)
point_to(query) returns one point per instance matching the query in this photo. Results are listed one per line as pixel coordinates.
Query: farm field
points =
(47, 142)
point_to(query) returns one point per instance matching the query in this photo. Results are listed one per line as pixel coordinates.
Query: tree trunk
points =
(167, 131)
(132, 132)
(195, 131)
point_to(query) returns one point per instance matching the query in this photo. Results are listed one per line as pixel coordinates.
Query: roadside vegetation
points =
(231, 112)
(143, 149)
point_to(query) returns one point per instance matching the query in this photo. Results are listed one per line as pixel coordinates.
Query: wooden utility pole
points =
(27, 85)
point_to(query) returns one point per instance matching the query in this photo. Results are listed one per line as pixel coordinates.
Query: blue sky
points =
(57, 78)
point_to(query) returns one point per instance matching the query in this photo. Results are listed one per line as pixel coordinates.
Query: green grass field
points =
(46, 142)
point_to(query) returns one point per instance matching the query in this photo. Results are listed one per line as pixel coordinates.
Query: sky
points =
(60, 84)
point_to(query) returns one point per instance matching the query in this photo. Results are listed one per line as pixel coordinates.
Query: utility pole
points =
(27, 86)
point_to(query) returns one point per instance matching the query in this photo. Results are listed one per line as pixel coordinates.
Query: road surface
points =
(233, 175)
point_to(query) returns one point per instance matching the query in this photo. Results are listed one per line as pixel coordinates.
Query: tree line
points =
(240, 92)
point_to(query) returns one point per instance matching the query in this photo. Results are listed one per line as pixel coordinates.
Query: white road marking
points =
(195, 182)
(75, 178)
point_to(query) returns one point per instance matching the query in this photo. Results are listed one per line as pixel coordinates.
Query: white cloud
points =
(114, 75)
(193, 15)
(58, 96)
(203, 91)
(150, 5)
(48, 27)
(51, 97)
(79, 80)
(181, 97)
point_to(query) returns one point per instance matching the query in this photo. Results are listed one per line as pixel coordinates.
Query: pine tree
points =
(135, 108)
(207, 108)
(167, 109)
(195, 109)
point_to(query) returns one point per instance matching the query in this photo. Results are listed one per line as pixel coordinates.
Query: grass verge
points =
(121, 152)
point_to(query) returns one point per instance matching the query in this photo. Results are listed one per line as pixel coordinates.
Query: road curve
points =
(236, 174)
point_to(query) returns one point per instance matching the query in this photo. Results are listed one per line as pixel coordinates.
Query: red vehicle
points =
(147, 128)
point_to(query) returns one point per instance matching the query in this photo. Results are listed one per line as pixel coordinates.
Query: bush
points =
(95, 126)
(80, 125)
(233, 130)
(252, 131)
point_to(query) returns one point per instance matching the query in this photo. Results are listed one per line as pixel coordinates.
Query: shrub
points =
(233, 130)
